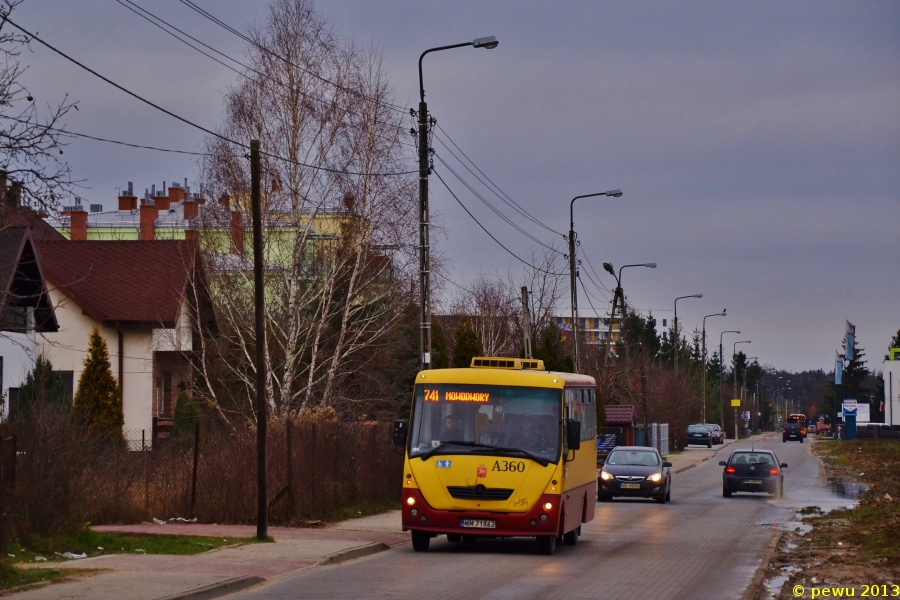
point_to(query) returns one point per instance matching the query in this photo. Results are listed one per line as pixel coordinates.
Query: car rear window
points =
(638, 458)
(752, 458)
(699, 428)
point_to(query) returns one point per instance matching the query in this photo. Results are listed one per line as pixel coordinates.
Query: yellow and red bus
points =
(504, 448)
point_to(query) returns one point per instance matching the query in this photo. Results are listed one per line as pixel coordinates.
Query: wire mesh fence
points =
(330, 466)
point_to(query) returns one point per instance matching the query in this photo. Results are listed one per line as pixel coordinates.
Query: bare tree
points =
(337, 231)
(30, 143)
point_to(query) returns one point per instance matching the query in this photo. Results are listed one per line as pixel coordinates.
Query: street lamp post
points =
(675, 345)
(721, 363)
(573, 272)
(744, 391)
(424, 170)
(721, 314)
(618, 294)
(734, 389)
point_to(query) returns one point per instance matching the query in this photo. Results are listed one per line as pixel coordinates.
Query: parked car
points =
(699, 434)
(752, 471)
(635, 472)
(719, 433)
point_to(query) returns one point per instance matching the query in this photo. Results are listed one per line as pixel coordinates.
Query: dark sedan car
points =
(635, 472)
(700, 434)
(752, 471)
(718, 434)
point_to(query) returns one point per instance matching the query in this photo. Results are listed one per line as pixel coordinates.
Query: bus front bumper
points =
(536, 521)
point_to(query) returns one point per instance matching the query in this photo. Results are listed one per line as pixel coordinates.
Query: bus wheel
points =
(454, 537)
(571, 538)
(546, 544)
(421, 541)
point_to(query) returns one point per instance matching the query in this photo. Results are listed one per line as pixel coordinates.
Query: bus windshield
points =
(485, 416)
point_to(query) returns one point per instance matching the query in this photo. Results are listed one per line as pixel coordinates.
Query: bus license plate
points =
(753, 481)
(478, 523)
(631, 486)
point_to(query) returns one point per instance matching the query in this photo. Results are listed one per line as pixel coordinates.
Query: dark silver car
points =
(752, 471)
(700, 434)
(635, 472)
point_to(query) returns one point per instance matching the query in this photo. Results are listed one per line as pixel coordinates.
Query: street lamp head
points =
(609, 268)
(614, 193)
(490, 42)
(650, 265)
(723, 311)
(697, 296)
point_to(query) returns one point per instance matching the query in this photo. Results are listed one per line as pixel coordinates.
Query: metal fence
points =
(877, 431)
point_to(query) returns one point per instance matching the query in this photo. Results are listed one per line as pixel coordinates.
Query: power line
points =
(186, 121)
(156, 20)
(232, 30)
(494, 209)
(510, 252)
(591, 304)
(502, 195)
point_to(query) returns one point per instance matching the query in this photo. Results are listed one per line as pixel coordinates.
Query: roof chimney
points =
(225, 200)
(128, 201)
(162, 202)
(237, 232)
(149, 214)
(78, 225)
(190, 210)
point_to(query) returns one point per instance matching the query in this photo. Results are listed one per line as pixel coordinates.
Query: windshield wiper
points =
(538, 459)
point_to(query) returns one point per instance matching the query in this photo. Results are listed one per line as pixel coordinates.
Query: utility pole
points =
(424, 170)
(573, 297)
(424, 258)
(526, 322)
(262, 500)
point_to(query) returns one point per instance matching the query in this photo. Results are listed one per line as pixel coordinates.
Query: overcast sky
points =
(758, 144)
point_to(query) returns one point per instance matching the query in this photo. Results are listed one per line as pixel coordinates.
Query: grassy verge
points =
(13, 577)
(869, 531)
(93, 543)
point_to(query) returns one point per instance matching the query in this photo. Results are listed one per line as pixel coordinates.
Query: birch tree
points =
(338, 221)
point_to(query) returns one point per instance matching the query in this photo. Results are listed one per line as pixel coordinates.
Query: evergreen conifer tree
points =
(550, 350)
(97, 404)
(467, 345)
(895, 343)
(440, 356)
(187, 414)
(42, 387)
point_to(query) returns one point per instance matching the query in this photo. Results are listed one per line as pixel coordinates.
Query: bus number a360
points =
(508, 465)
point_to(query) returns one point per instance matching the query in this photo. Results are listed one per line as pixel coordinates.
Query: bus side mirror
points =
(573, 434)
(400, 430)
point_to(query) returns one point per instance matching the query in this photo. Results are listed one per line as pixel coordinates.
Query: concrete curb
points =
(351, 553)
(754, 590)
(216, 590)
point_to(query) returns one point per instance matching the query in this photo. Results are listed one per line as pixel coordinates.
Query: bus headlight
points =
(605, 476)
(548, 506)
(410, 501)
(655, 478)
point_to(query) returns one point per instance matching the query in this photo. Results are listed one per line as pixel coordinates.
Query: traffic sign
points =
(736, 402)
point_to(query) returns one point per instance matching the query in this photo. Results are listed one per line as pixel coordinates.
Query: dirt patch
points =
(854, 547)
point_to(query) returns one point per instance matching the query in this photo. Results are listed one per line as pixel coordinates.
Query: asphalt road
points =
(700, 545)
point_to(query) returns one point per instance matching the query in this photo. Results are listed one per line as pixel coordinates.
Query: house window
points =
(164, 394)
(68, 380)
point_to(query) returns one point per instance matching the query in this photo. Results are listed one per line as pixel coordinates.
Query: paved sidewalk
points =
(222, 571)
(694, 455)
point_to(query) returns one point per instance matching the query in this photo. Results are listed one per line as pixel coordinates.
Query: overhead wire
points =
(162, 24)
(502, 195)
(207, 15)
(483, 228)
(187, 121)
(493, 208)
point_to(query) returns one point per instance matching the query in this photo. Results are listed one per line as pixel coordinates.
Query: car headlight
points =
(655, 478)
(605, 476)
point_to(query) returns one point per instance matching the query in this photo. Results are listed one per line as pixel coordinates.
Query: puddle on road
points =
(850, 491)
(775, 584)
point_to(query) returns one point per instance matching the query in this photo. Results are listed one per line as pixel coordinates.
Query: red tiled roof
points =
(619, 415)
(129, 282)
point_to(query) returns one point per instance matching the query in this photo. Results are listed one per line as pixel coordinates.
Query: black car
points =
(699, 434)
(635, 472)
(718, 434)
(752, 471)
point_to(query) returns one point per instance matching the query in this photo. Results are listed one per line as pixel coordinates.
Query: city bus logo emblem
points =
(481, 471)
